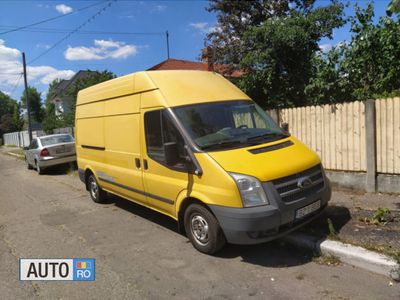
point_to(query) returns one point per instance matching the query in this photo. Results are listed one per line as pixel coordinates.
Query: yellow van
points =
(191, 145)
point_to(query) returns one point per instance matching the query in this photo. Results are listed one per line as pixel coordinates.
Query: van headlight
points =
(251, 190)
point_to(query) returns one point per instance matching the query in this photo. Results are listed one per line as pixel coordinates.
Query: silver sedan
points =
(50, 150)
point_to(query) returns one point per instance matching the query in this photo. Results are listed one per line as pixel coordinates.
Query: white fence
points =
(21, 138)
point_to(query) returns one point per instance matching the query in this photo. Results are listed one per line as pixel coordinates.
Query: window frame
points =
(165, 113)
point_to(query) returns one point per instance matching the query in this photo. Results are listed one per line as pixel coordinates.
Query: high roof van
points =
(192, 146)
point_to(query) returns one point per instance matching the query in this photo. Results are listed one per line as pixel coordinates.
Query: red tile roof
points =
(178, 64)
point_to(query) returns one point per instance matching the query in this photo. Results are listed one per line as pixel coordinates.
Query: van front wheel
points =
(95, 191)
(203, 230)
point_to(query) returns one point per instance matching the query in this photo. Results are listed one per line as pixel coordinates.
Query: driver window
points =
(159, 130)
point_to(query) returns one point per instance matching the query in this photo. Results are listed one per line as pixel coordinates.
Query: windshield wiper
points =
(268, 136)
(222, 144)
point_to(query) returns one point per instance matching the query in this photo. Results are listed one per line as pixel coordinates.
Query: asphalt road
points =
(140, 255)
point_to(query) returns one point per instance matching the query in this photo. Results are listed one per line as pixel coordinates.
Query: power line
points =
(59, 30)
(50, 19)
(15, 85)
(99, 12)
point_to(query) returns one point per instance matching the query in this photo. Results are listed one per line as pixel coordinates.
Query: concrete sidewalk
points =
(350, 205)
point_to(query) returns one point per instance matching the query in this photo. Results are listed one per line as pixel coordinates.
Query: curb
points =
(352, 255)
(14, 154)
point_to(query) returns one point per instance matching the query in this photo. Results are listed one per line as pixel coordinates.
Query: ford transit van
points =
(192, 146)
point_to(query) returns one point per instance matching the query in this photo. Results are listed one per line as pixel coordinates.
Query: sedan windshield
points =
(228, 124)
(56, 139)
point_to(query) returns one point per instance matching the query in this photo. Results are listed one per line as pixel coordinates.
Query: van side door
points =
(162, 183)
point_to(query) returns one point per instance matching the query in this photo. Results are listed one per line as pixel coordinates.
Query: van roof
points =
(177, 87)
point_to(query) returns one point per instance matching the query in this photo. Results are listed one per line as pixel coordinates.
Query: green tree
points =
(275, 42)
(234, 18)
(94, 78)
(51, 120)
(329, 83)
(372, 57)
(35, 103)
(10, 117)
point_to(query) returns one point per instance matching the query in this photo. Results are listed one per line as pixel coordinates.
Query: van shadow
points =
(274, 254)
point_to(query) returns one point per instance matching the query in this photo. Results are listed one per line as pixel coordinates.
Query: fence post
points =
(274, 113)
(370, 143)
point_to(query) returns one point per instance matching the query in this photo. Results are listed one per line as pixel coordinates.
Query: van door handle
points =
(145, 166)
(137, 162)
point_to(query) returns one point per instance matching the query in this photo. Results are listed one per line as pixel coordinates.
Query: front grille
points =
(289, 190)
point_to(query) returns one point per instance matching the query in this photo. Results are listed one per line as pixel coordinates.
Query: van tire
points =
(95, 191)
(203, 229)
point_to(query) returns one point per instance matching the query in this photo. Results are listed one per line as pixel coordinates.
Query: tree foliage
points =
(275, 42)
(367, 67)
(51, 120)
(35, 104)
(10, 118)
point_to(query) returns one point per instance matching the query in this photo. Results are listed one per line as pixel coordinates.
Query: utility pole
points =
(28, 107)
(167, 36)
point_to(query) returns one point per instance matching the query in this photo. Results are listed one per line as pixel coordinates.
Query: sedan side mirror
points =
(171, 153)
(26, 148)
(285, 127)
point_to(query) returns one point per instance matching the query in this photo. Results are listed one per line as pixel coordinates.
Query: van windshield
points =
(228, 124)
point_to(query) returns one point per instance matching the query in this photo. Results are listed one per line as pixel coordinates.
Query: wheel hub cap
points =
(200, 229)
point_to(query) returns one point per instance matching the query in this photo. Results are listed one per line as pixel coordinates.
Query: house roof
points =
(180, 64)
(65, 84)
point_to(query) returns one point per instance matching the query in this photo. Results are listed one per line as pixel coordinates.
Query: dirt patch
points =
(358, 227)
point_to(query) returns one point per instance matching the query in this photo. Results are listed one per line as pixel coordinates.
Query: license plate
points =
(62, 150)
(306, 210)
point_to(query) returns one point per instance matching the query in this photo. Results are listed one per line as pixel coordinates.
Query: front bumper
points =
(260, 224)
(49, 161)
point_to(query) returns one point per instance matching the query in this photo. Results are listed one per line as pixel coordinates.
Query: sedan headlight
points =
(250, 189)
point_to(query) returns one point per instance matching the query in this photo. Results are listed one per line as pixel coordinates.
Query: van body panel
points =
(268, 165)
(152, 99)
(122, 105)
(106, 90)
(189, 87)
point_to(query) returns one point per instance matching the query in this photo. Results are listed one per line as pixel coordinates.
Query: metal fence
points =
(21, 138)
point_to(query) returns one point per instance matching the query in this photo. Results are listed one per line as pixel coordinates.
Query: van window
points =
(160, 130)
(228, 124)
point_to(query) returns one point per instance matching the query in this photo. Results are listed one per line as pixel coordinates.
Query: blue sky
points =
(186, 21)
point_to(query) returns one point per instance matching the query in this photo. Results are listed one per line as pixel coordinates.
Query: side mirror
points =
(26, 148)
(285, 127)
(171, 153)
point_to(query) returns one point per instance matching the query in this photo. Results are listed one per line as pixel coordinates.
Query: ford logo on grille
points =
(304, 182)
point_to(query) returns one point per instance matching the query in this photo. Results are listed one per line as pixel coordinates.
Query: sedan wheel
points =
(39, 169)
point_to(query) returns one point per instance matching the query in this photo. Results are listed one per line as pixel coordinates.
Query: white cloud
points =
(103, 49)
(203, 27)
(325, 47)
(64, 9)
(160, 8)
(43, 46)
(11, 69)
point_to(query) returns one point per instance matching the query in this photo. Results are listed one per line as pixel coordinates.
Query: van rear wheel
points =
(95, 191)
(203, 230)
